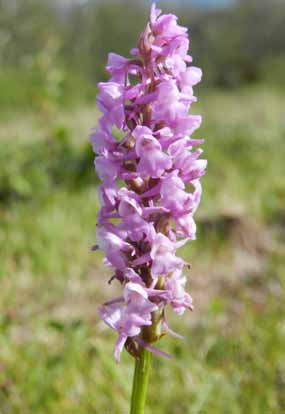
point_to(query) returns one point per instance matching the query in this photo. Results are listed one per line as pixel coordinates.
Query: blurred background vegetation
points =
(55, 354)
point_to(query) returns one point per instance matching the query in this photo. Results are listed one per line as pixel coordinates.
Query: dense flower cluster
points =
(150, 179)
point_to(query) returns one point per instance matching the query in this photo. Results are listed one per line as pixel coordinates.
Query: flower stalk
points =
(150, 187)
(140, 381)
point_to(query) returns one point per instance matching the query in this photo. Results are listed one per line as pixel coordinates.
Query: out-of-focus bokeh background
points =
(55, 354)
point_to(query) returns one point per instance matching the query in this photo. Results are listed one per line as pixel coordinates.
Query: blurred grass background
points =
(55, 354)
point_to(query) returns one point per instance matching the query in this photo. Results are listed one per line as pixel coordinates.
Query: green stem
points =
(140, 382)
